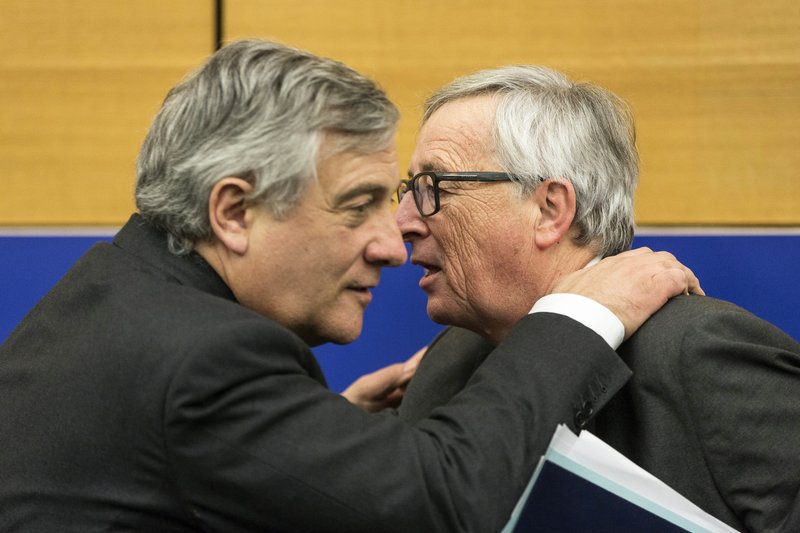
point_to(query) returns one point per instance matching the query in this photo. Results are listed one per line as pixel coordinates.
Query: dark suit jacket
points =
(138, 395)
(712, 409)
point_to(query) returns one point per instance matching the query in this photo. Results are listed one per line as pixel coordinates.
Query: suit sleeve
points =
(742, 380)
(449, 363)
(257, 443)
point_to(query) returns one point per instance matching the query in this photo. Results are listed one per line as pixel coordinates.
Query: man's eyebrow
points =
(428, 167)
(366, 188)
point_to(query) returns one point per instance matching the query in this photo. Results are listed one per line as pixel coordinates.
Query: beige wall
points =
(715, 87)
(79, 83)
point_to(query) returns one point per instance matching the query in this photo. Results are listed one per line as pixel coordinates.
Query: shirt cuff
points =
(588, 312)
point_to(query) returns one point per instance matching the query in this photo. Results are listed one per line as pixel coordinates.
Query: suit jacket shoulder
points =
(713, 409)
(456, 354)
(447, 366)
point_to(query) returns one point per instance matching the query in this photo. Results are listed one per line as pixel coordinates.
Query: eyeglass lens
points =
(424, 194)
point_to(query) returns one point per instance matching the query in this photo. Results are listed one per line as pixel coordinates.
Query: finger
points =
(412, 362)
(671, 282)
(666, 256)
(388, 378)
(693, 284)
(394, 398)
(376, 384)
(633, 252)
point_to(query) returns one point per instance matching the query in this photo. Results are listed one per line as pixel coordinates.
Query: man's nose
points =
(411, 224)
(387, 248)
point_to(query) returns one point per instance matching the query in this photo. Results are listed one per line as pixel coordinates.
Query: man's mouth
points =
(359, 288)
(363, 290)
(429, 268)
(363, 293)
(430, 271)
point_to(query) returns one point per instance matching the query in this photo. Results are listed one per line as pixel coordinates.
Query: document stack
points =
(583, 484)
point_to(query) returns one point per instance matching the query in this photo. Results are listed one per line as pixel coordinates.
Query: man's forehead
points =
(470, 113)
(351, 173)
(457, 136)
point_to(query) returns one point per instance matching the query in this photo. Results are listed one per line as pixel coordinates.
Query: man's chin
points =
(439, 314)
(448, 316)
(336, 332)
(346, 338)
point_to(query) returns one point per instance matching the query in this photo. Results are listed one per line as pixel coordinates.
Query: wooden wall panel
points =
(80, 81)
(715, 85)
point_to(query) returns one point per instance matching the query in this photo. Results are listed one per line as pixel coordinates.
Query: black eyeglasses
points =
(425, 187)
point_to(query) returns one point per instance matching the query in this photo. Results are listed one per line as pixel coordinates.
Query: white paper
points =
(600, 463)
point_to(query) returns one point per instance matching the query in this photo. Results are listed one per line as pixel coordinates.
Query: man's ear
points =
(229, 215)
(556, 202)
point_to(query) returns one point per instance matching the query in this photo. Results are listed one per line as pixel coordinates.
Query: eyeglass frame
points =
(410, 185)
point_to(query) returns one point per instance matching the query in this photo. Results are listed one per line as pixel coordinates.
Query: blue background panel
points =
(757, 272)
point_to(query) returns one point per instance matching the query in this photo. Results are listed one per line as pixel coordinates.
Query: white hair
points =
(546, 126)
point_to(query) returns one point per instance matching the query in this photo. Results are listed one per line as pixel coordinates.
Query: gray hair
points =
(547, 126)
(259, 111)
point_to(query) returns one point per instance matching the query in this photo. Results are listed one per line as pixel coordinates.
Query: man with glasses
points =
(521, 177)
